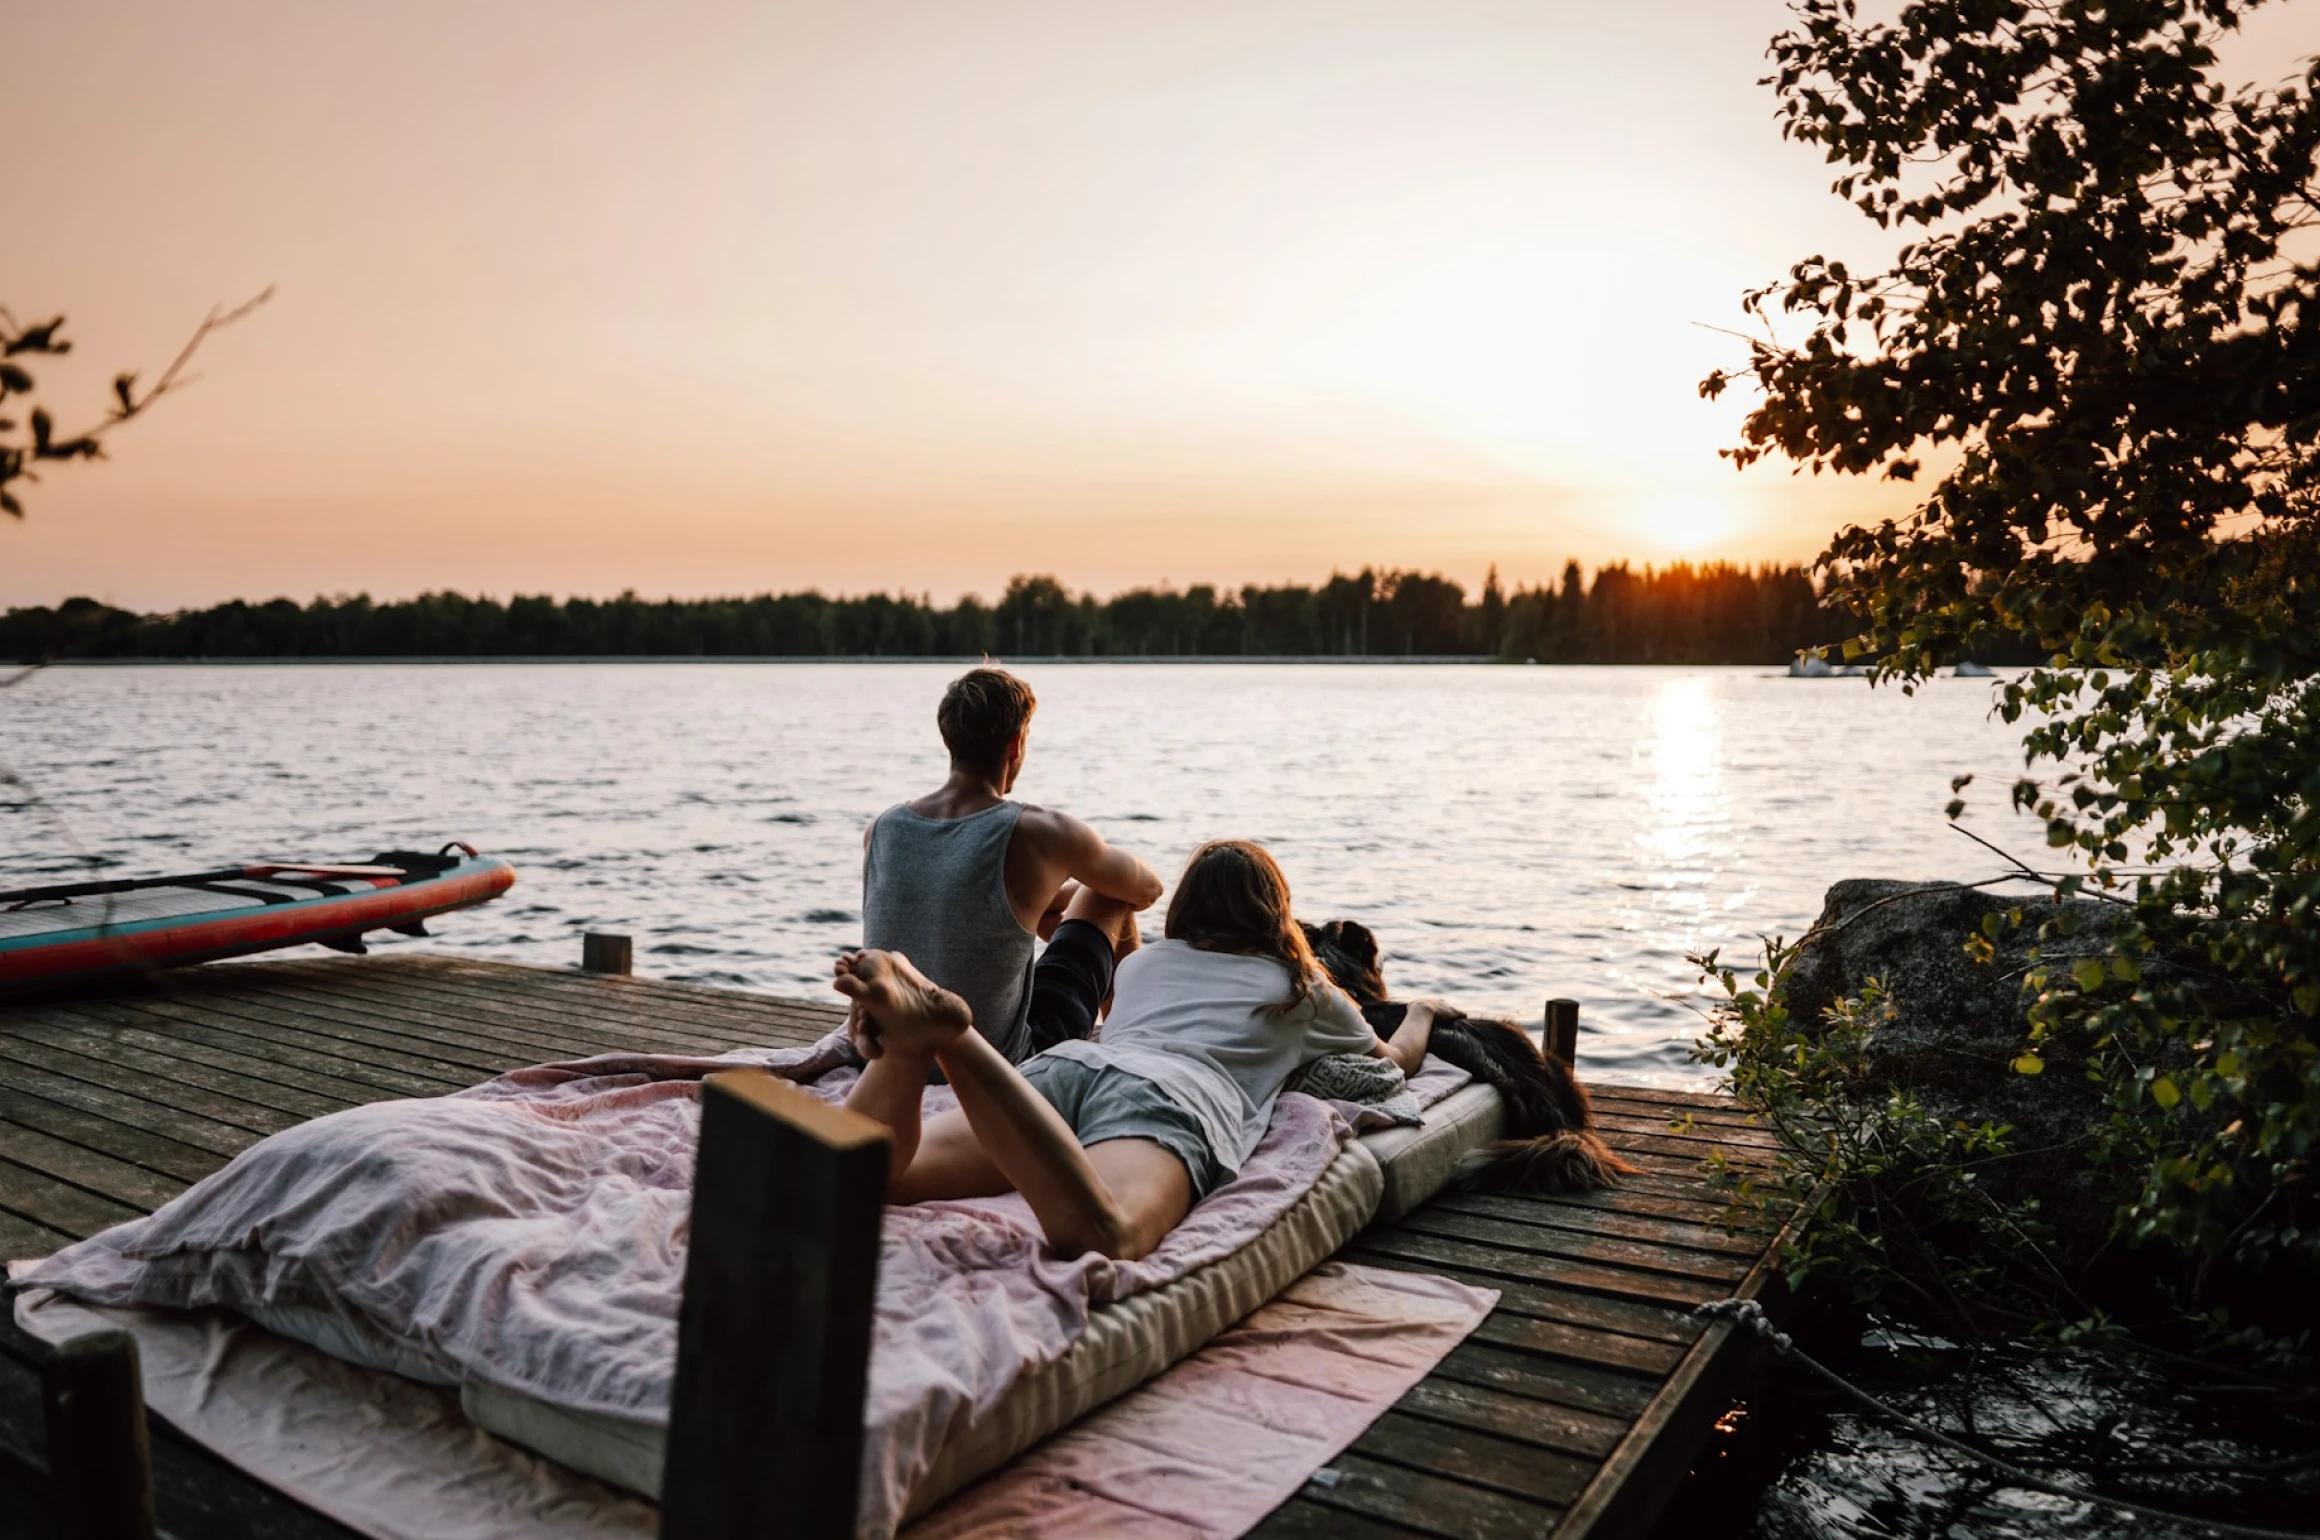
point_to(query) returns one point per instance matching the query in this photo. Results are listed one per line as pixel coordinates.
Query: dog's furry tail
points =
(1573, 1160)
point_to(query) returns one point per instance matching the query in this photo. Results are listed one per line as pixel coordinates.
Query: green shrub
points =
(1899, 1213)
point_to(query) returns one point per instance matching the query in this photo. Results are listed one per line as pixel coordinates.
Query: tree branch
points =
(174, 377)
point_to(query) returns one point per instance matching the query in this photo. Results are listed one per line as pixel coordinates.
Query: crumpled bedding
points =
(529, 1233)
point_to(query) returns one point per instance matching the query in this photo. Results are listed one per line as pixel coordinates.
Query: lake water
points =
(1511, 833)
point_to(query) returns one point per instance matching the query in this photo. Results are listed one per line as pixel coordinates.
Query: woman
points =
(1112, 1142)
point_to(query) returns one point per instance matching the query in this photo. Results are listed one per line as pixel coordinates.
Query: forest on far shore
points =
(1683, 613)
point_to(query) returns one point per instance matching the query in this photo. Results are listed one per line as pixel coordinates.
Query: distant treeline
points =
(1713, 613)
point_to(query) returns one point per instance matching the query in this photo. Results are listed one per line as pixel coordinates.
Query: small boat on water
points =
(84, 931)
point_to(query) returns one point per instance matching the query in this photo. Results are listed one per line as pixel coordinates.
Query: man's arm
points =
(1074, 852)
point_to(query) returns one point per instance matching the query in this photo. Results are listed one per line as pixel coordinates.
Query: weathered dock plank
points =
(1683, 1262)
(1555, 1382)
(1569, 1412)
(1413, 1500)
(1423, 1252)
(1700, 1236)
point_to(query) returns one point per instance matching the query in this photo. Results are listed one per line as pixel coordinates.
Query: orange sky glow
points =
(719, 298)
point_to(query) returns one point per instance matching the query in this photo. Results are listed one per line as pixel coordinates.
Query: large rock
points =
(1957, 1025)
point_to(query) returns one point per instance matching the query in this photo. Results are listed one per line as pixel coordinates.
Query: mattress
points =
(1125, 1343)
(1418, 1161)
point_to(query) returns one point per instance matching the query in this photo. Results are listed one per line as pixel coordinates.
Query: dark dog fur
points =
(1551, 1145)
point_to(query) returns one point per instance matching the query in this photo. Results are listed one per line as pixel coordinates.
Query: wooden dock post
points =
(100, 1464)
(773, 1337)
(1563, 1030)
(604, 953)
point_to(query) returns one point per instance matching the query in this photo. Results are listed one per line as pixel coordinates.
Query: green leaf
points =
(2163, 1091)
(2087, 974)
(2029, 1064)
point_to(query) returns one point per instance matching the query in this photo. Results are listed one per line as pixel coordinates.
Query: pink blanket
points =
(529, 1233)
(1209, 1448)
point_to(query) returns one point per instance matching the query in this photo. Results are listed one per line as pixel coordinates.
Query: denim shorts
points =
(1101, 1103)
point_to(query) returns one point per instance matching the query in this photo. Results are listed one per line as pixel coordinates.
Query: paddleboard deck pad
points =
(87, 931)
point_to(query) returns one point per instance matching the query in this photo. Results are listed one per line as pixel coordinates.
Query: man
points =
(964, 881)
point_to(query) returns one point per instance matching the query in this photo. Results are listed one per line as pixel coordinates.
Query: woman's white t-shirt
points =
(1194, 1024)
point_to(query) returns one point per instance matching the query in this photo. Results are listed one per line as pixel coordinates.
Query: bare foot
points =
(911, 1013)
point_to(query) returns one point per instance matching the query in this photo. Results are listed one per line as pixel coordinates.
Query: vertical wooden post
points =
(773, 1337)
(603, 953)
(1563, 1030)
(100, 1465)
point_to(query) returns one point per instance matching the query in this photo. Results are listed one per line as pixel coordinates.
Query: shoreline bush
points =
(2107, 324)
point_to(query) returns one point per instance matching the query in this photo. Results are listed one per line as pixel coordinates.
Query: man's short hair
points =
(980, 716)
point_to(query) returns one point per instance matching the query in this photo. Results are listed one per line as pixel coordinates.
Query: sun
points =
(1690, 525)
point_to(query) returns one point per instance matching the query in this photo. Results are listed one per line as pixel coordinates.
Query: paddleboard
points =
(79, 932)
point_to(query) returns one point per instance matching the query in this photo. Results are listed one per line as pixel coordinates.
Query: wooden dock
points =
(1574, 1410)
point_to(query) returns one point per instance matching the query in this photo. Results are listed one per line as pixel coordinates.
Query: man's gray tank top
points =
(935, 890)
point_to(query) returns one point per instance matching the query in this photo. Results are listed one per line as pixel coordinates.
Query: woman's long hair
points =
(1233, 898)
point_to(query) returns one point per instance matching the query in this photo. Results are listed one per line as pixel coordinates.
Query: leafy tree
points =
(1424, 614)
(2105, 328)
(1488, 621)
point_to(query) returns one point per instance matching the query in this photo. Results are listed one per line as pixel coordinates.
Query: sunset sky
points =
(713, 298)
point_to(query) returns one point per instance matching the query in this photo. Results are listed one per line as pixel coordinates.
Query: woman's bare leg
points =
(951, 1163)
(894, 1079)
(1029, 1140)
(1150, 1183)
(1152, 1187)
(889, 1092)
(1022, 1135)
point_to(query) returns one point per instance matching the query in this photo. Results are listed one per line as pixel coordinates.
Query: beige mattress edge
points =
(1418, 1161)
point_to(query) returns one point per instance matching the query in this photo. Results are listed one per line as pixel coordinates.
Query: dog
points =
(1551, 1144)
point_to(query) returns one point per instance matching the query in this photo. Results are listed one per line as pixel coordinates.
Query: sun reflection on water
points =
(1690, 815)
(1684, 847)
